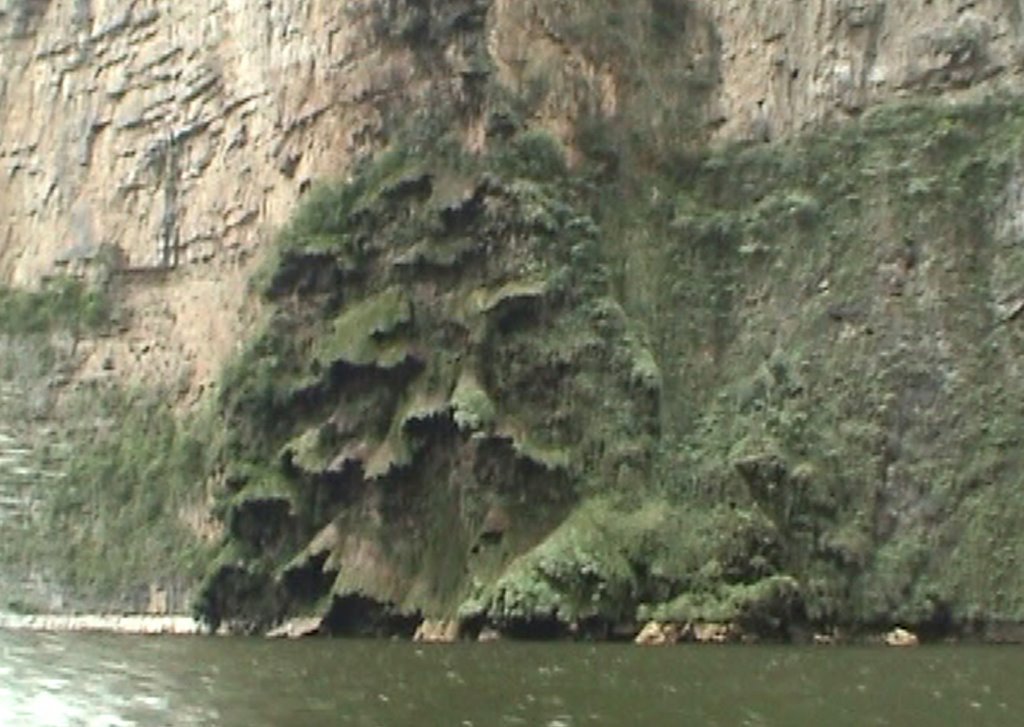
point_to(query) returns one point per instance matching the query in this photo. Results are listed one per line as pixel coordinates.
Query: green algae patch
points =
(311, 450)
(472, 408)
(358, 336)
(613, 563)
(550, 458)
(582, 570)
(762, 607)
(509, 296)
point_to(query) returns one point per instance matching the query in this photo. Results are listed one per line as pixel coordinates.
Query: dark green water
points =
(105, 681)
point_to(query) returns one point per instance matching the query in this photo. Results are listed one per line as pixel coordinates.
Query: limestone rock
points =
(181, 133)
(715, 633)
(656, 633)
(488, 635)
(437, 631)
(102, 623)
(297, 628)
(790, 65)
(900, 637)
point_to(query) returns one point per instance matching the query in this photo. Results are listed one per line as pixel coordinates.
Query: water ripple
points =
(75, 680)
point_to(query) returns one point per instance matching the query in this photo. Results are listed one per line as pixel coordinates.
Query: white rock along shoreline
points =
(139, 624)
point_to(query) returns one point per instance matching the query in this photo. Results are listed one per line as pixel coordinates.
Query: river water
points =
(56, 680)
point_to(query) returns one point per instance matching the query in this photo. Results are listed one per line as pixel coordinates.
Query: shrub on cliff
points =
(61, 304)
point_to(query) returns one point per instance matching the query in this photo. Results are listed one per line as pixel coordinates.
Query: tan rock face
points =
(900, 637)
(180, 133)
(655, 633)
(432, 631)
(183, 133)
(177, 131)
(714, 633)
(786, 66)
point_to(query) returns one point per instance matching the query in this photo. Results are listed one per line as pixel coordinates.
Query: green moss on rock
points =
(360, 335)
(770, 384)
(472, 409)
(404, 406)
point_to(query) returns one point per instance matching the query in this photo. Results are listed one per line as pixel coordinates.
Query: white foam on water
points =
(44, 709)
(53, 684)
(151, 702)
(6, 706)
(109, 720)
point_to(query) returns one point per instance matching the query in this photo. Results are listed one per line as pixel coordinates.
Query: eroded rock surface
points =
(182, 135)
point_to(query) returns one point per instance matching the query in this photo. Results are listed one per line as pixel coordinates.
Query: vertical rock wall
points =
(181, 134)
(787, 66)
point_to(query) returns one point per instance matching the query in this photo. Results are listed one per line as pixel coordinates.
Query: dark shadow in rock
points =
(535, 629)
(417, 187)
(458, 217)
(358, 615)
(260, 523)
(305, 274)
(244, 600)
(307, 582)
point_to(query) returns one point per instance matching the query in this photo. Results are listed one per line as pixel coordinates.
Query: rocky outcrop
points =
(415, 310)
(296, 628)
(715, 633)
(655, 633)
(437, 632)
(900, 637)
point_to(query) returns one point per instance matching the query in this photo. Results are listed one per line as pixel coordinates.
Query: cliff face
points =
(182, 135)
(832, 59)
(612, 330)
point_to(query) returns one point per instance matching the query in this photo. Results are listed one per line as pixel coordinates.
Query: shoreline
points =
(653, 634)
(126, 624)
